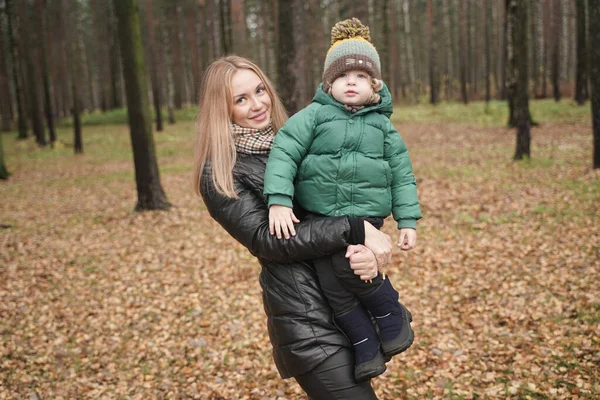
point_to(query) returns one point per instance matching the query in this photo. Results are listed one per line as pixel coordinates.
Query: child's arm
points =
(289, 148)
(281, 221)
(405, 202)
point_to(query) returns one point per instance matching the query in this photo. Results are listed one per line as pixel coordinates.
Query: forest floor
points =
(97, 301)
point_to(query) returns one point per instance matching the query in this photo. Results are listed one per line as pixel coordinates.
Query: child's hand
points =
(281, 219)
(407, 239)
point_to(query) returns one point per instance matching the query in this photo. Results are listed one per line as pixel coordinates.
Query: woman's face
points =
(251, 102)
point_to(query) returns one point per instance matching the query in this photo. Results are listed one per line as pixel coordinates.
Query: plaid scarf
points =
(253, 141)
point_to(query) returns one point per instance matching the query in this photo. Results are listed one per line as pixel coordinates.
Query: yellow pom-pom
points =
(349, 28)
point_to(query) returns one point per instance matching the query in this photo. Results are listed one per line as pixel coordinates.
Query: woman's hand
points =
(407, 239)
(379, 243)
(281, 219)
(362, 261)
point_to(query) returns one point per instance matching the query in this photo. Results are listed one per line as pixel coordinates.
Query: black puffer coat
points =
(300, 322)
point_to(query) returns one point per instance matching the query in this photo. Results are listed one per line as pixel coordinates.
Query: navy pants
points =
(341, 286)
(333, 379)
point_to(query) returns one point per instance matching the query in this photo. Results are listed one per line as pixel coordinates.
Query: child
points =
(342, 156)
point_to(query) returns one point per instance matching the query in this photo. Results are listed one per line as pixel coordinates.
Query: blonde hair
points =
(214, 141)
(377, 85)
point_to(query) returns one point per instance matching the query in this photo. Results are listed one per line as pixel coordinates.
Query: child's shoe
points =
(359, 329)
(393, 319)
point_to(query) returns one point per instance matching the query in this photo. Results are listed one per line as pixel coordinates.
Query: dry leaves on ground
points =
(99, 302)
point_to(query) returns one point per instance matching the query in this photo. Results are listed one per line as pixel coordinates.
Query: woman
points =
(238, 117)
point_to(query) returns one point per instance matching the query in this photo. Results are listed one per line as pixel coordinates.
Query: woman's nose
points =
(255, 103)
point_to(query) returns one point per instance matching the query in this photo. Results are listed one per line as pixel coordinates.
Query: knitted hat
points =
(350, 49)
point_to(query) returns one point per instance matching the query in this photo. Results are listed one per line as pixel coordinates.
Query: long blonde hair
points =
(214, 141)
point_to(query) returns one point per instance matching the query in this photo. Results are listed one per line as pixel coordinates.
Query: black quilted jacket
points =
(300, 322)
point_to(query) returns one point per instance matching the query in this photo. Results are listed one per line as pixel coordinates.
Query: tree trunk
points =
(384, 42)
(63, 64)
(449, 51)
(225, 23)
(510, 93)
(355, 8)
(239, 29)
(116, 72)
(156, 95)
(150, 193)
(557, 31)
(168, 75)
(89, 67)
(594, 13)
(211, 29)
(581, 75)
(303, 89)
(43, 62)
(518, 73)
(547, 38)
(488, 58)
(178, 75)
(77, 137)
(463, 56)
(410, 55)
(73, 54)
(393, 42)
(470, 68)
(204, 48)
(534, 46)
(5, 92)
(103, 31)
(15, 54)
(191, 18)
(286, 53)
(433, 86)
(3, 171)
(112, 57)
(503, 52)
(31, 60)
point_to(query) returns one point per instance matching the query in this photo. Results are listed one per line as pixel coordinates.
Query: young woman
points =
(238, 117)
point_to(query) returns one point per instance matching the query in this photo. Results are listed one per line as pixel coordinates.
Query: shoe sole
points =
(370, 369)
(391, 348)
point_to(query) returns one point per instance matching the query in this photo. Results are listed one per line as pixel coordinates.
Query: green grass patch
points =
(591, 314)
(118, 116)
(102, 144)
(582, 189)
(492, 114)
(536, 162)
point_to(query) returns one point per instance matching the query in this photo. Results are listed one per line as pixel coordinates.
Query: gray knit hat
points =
(350, 49)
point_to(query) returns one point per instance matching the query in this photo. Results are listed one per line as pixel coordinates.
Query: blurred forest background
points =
(97, 301)
(431, 50)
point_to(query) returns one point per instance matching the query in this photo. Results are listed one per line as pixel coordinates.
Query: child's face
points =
(352, 88)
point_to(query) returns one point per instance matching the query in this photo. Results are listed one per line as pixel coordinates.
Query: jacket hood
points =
(384, 107)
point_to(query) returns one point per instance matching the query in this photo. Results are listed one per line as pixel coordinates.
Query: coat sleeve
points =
(405, 202)
(289, 149)
(247, 220)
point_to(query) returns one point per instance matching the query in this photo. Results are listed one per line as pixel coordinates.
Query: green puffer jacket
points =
(339, 163)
